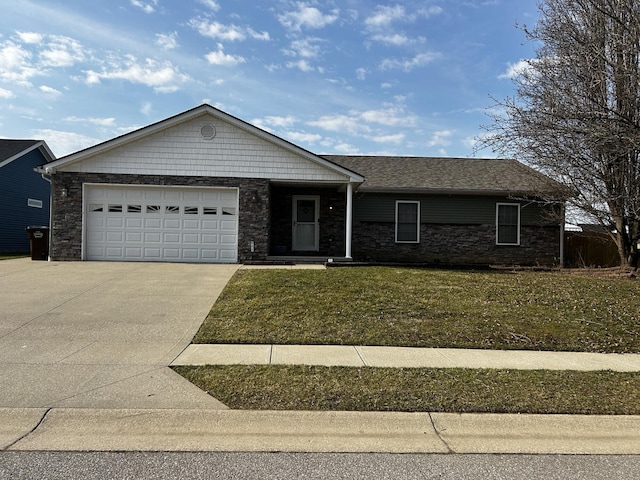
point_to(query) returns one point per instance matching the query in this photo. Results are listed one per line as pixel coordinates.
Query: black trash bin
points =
(39, 242)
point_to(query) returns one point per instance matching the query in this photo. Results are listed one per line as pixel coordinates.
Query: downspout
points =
(50, 213)
(349, 222)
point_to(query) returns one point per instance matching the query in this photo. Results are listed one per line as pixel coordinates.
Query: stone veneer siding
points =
(66, 221)
(456, 245)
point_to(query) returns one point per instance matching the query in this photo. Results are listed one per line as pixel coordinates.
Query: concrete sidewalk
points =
(360, 356)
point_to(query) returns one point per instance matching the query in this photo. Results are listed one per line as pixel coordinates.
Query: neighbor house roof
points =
(446, 175)
(12, 149)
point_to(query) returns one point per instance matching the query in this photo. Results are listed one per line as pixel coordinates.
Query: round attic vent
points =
(208, 132)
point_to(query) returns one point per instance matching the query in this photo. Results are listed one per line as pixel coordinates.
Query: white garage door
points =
(161, 224)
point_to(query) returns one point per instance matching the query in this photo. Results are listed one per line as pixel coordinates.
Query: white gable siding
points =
(181, 150)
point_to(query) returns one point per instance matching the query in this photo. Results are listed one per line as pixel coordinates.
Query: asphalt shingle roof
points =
(9, 148)
(446, 175)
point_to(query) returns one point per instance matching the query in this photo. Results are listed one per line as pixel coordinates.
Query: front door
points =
(306, 229)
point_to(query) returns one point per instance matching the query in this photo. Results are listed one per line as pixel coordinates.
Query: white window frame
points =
(417, 240)
(32, 202)
(498, 205)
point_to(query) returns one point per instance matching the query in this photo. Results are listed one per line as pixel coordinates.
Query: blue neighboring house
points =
(24, 194)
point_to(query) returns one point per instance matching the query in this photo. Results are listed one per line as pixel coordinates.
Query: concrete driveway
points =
(101, 334)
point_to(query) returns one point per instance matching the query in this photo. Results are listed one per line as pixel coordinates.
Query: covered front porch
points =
(310, 223)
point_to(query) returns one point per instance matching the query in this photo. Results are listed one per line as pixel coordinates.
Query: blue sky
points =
(335, 77)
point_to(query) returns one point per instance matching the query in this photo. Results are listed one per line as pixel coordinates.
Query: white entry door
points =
(306, 229)
(161, 224)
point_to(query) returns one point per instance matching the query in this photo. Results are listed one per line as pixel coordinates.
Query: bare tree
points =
(575, 114)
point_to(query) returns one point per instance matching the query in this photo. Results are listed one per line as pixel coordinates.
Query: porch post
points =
(349, 221)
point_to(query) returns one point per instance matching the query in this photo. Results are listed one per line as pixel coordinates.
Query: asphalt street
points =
(294, 466)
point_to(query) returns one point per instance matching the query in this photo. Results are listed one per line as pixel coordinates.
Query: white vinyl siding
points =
(162, 224)
(507, 224)
(182, 151)
(407, 222)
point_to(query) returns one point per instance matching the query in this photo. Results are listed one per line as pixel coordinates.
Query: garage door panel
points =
(113, 236)
(191, 238)
(161, 224)
(133, 222)
(116, 222)
(172, 223)
(152, 223)
(171, 253)
(209, 224)
(210, 240)
(114, 252)
(135, 253)
(210, 255)
(227, 239)
(133, 237)
(191, 224)
(171, 238)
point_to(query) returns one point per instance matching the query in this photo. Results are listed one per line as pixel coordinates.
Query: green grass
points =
(419, 389)
(427, 308)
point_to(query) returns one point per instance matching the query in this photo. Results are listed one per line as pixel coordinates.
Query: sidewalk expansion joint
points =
(364, 363)
(22, 437)
(437, 432)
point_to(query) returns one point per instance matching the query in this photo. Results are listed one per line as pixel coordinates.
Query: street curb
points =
(63, 429)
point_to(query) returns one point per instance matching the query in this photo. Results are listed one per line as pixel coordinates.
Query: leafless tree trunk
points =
(576, 111)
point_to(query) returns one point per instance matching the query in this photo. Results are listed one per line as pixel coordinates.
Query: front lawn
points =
(277, 387)
(427, 308)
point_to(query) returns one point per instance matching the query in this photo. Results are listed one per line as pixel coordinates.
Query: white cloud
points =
(101, 122)
(346, 149)
(274, 121)
(212, 4)
(302, 137)
(308, 17)
(146, 7)
(305, 48)
(361, 73)
(385, 15)
(230, 33)
(392, 116)
(341, 123)
(6, 93)
(218, 30)
(224, 59)
(30, 37)
(515, 69)
(407, 65)
(15, 66)
(440, 138)
(61, 52)
(397, 39)
(50, 90)
(63, 143)
(146, 108)
(163, 77)
(167, 41)
(397, 138)
(302, 65)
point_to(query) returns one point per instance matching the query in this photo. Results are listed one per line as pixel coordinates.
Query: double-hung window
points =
(508, 224)
(407, 222)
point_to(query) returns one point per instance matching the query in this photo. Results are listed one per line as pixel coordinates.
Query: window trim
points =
(498, 205)
(415, 202)
(34, 203)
